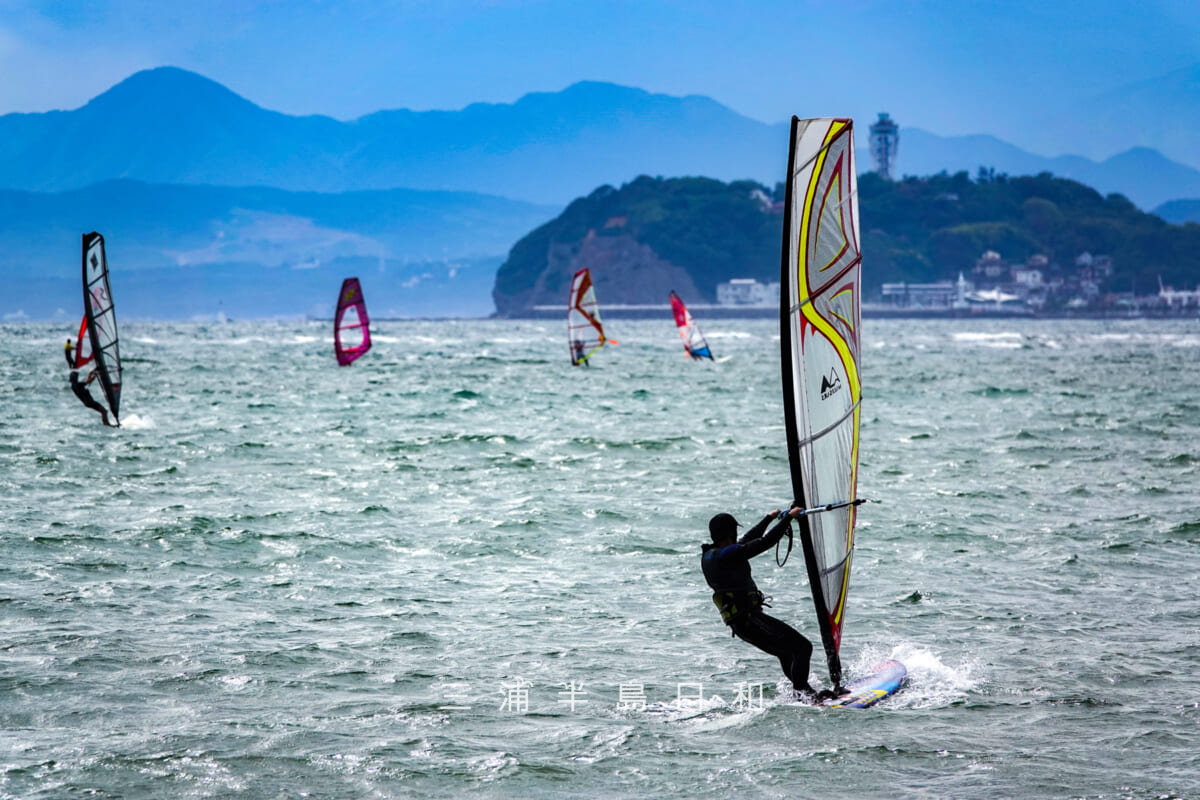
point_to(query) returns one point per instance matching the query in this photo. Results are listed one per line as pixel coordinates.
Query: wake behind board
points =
(884, 681)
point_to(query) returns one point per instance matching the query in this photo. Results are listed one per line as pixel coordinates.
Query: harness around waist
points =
(736, 605)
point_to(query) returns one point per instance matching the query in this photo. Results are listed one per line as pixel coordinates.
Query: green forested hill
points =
(916, 230)
(929, 228)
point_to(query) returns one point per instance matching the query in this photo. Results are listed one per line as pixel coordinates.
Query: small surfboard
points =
(886, 679)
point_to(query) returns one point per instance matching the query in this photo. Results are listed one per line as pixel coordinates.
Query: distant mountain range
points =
(1162, 113)
(1143, 175)
(1180, 211)
(193, 226)
(171, 126)
(203, 248)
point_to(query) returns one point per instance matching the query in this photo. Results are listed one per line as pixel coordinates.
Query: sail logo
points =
(831, 384)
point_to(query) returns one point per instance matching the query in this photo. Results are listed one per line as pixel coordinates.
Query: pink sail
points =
(351, 326)
(694, 343)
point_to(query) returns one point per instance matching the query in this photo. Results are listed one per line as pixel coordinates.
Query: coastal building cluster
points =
(995, 286)
(1037, 285)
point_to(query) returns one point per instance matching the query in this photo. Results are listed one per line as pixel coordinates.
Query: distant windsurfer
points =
(81, 391)
(577, 347)
(726, 565)
(69, 352)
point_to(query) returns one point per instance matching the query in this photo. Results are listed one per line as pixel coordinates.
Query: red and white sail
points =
(694, 343)
(585, 331)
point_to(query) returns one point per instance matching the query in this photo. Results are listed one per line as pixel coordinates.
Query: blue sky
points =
(949, 66)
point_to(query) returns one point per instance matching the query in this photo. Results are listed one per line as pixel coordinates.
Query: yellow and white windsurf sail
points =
(820, 326)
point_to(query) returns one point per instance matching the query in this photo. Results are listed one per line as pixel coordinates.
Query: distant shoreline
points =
(703, 312)
(663, 313)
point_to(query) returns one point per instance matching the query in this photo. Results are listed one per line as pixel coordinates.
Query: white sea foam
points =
(1007, 340)
(135, 422)
(931, 683)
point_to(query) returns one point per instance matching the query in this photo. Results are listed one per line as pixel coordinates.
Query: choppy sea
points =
(462, 567)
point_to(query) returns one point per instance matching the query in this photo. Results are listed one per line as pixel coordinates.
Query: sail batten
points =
(351, 325)
(820, 320)
(100, 321)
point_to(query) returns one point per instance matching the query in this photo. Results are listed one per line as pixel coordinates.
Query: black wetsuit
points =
(81, 391)
(727, 570)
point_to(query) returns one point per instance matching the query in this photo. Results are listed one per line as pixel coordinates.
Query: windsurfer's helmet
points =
(722, 526)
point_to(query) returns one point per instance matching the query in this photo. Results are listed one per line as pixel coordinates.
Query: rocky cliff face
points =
(624, 271)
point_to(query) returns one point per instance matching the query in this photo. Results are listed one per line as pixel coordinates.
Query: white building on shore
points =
(747, 292)
(1178, 299)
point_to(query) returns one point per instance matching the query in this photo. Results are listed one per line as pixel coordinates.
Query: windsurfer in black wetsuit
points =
(81, 391)
(577, 348)
(726, 565)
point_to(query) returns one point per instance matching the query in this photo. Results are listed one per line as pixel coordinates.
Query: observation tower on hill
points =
(885, 143)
